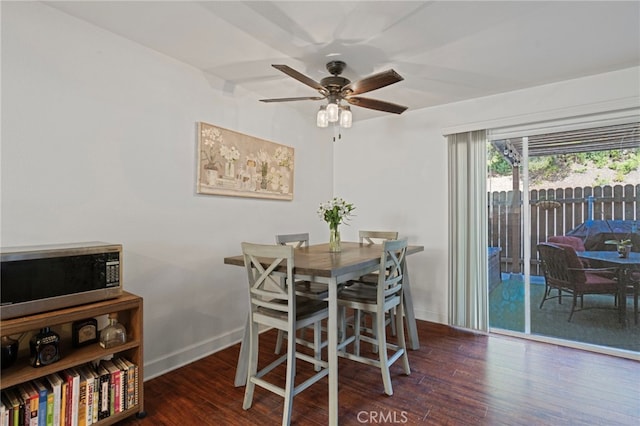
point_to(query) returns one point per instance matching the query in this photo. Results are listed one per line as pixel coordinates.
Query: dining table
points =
(317, 264)
(624, 265)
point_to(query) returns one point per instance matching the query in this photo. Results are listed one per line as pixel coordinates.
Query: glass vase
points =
(334, 240)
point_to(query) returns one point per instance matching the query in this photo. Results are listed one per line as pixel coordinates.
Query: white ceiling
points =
(446, 51)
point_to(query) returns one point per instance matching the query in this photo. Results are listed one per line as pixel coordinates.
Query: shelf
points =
(129, 309)
(22, 371)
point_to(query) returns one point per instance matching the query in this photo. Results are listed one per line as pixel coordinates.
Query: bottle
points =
(44, 347)
(113, 334)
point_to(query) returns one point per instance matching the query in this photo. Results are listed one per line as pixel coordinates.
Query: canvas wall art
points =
(234, 164)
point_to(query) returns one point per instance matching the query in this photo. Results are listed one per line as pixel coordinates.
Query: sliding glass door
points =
(583, 184)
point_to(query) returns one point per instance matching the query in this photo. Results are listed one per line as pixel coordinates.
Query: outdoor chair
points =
(383, 298)
(564, 272)
(277, 306)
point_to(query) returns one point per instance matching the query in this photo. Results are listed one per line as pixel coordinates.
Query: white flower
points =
(229, 154)
(283, 157)
(335, 212)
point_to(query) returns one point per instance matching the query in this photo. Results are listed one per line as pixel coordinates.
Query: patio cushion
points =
(574, 262)
(574, 242)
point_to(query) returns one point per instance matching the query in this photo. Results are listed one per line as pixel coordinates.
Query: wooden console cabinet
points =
(129, 310)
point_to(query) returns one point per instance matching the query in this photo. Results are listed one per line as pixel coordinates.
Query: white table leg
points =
(243, 357)
(332, 352)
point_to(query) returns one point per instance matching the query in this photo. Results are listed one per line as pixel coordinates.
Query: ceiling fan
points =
(336, 88)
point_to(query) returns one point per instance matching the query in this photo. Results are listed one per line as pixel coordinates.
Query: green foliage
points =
(556, 167)
(497, 164)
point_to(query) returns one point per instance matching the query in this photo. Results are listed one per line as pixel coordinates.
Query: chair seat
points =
(305, 308)
(595, 283)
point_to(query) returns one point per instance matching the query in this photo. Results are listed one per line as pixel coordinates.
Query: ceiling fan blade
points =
(305, 98)
(373, 82)
(377, 105)
(301, 77)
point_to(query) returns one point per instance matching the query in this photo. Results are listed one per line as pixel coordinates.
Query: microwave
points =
(37, 279)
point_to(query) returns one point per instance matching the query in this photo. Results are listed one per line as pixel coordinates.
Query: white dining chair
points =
(384, 298)
(375, 237)
(278, 306)
(312, 290)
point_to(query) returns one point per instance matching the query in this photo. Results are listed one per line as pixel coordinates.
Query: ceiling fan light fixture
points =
(332, 112)
(346, 119)
(322, 120)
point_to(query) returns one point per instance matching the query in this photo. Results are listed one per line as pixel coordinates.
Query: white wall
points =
(395, 169)
(99, 144)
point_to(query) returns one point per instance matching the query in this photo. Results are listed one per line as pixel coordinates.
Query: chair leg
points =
(636, 289)
(380, 326)
(374, 331)
(278, 348)
(545, 295)
(289, 383)
(317, 343)
(401, 338)
(573, 305)
(253, 366)
(357, 329)
(392, 321)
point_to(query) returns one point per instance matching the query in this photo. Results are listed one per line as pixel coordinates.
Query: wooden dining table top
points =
(317, 260)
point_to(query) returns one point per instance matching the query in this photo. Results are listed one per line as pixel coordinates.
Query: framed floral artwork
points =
(238, 165)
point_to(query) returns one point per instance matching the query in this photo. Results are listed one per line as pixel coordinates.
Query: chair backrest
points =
(391, 272)
(376, 237)
(295, 240)
(575, 242)
(561, 265)
(266, 266)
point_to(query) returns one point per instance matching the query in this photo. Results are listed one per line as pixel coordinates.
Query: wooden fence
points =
(554, 212)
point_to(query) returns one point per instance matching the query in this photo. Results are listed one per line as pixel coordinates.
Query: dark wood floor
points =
(457, 378)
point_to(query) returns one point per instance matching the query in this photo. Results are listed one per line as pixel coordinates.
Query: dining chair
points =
(304, 288)
(278, 306)
(564, 272)
(312, 290)
(375, 237)
(379, 300)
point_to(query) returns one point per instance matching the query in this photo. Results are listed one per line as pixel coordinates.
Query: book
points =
(128, 379)
(31, 399)
(64, 394)
(13, 401)
(103, 392)
(75, 396)
(88, 377)
(82, 400)
(56, 384)
(133, 382)
(72, 378)
(115, 386)
(5, 410)
(42, 401)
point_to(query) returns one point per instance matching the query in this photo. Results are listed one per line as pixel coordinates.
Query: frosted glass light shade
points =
(332, 111)
(322, 120)
(346, 118)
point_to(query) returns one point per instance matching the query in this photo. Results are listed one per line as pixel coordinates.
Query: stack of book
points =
(78, 396)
